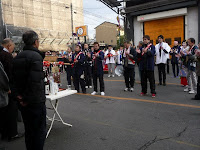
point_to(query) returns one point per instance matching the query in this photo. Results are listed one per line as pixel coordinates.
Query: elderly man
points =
(8, 113)
(197, 96)
(30, 91)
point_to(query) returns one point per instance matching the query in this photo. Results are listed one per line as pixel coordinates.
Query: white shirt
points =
(110, 60)
(119, 56)
(185, 49)
(164, 56)
(5, 50)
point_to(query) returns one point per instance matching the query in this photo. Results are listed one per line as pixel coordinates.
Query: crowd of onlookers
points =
(22, 77)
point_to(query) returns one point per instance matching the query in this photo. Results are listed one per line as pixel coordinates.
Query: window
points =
(169, 41)
(157, 42)
(111, 41)
(178, 39)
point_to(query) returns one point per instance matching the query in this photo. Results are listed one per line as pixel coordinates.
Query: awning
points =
(112, 3)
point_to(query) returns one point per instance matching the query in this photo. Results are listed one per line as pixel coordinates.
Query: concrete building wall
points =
(107, 33)
(50, 18)
(138, 34)
(192, 23)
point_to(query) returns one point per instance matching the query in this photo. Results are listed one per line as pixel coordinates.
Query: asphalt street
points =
(124, 120)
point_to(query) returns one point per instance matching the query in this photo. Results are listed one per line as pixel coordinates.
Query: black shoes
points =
(19, 135)
(164, 84)
(195, 99)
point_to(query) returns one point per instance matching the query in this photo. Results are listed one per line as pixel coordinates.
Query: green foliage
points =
(120, 41)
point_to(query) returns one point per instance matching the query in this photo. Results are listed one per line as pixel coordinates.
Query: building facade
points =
(107, 33)
(175, 20)
(51, 19)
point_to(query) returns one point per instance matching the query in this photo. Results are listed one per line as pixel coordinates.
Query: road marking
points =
(185, 143)
(139, 82)
(143, 100)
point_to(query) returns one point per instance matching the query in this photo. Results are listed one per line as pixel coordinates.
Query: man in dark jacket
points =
(147, 66)
(175, 59)
(30, 91)
(78, 60)
(9, 113)
(129, 57)
(97, 69)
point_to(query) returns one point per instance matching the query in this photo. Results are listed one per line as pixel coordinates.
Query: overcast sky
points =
(95, 13)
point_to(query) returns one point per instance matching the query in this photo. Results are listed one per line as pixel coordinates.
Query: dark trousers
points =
(88, 75)
(101, 82)
(162, 73)
(34, 117)
(150, 76)
(174, 68)
(168, 66)
(129, 76)
(197, 96)
(79, 81)
(8, 115)
(69, 75)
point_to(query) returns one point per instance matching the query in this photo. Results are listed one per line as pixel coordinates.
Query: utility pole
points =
(119, 26)
(72, 23)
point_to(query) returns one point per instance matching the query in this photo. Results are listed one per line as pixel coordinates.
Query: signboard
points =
(81, 31)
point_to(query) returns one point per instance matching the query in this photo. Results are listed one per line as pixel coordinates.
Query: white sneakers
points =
(88, 87)
(126, 89)
(102, 93)
(192, 92)
(111, 76)
(94, 93)
(131, 89)
(186, 90)
(189, 91)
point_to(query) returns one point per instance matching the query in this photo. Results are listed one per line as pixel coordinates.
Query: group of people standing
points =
(185, 60)
(83, 66)
(86, 64)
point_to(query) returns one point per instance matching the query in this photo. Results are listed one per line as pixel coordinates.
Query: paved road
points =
(126, 121)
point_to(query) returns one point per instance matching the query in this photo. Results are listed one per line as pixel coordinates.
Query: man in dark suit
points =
(97, 69)
(8, 113)
(146, 56)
